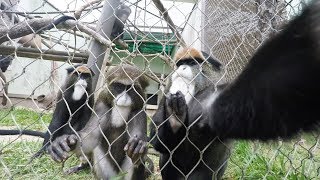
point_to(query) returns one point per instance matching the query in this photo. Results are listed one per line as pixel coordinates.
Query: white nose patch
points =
(123, 99)
(79, 89)
(182, 80)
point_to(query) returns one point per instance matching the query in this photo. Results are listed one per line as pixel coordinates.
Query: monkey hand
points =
(135, 148)
(60, 147)
(176, 105)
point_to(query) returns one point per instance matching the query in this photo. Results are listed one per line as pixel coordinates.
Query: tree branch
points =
(78, 12)
(36, 25)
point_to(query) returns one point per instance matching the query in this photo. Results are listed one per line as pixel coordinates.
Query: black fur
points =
(277, 94)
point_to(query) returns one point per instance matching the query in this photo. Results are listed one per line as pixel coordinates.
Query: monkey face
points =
(121, 94)
(79, 80)
(80, 87)
(187, 69)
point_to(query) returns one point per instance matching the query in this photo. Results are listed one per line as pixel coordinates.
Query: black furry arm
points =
(162, 136)
(60, 118)
(277, 94)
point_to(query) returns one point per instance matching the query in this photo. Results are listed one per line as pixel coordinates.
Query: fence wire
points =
(36, 51)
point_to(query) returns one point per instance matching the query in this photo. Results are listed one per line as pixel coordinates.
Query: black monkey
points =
(115, 137)
(74, 104)
(180, 136)
(76, 96)
(277, 94)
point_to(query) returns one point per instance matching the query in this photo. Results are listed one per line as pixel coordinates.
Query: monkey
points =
(75, 95)
(122, 14)
(115, 138)
(31, 40)
(276, 95)
(176, 133)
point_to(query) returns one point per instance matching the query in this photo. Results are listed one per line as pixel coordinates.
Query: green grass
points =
(296, 159)
(14, 160)
(24, 118)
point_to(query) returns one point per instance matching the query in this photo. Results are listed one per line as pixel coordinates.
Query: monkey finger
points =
(175, 104)
(72, 140)
(53, 155)
(131, 146)
(136, 154)
(138, 147)
(181, 104)
(59, 151)
(143, 149)
(65, 146)
(126, 147)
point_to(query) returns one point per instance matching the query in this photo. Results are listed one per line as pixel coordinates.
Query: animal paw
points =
(135, 148)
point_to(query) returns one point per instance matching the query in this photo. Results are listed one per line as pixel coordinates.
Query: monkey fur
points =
(176, 130)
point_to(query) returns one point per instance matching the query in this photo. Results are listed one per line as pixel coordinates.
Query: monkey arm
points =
(137, 125)
(59, 118)
(89, 136)
(276, 95)
(137, 128)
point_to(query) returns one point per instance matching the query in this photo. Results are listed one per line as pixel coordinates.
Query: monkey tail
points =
(22, 132)
(57, 21)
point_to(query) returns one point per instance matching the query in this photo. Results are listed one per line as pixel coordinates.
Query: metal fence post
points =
(104, 27)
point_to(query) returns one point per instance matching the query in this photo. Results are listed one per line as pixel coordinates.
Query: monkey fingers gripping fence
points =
(118, 87)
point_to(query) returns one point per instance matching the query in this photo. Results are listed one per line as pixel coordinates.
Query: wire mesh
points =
(34, 59)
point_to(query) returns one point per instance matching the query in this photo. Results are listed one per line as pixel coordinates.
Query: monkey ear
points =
(70, 69)
(213, 61)
(92, 73)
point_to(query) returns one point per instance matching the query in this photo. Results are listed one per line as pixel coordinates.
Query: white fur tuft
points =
(79, 89)
(121, 109)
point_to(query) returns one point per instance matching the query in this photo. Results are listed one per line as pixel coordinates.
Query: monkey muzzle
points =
(79, 89)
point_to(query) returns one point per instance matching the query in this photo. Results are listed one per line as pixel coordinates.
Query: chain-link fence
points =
(43, 42)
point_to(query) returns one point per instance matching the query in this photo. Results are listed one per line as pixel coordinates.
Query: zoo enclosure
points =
(230, 30)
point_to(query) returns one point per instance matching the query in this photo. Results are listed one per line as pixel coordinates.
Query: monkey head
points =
(79, 81)
(125, 86)
(193, 72)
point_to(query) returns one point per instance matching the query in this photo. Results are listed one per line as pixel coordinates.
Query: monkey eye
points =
(118, 87)
(189, 62)
(84, 75)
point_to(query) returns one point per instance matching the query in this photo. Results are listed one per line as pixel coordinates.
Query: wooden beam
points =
(44, 54)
